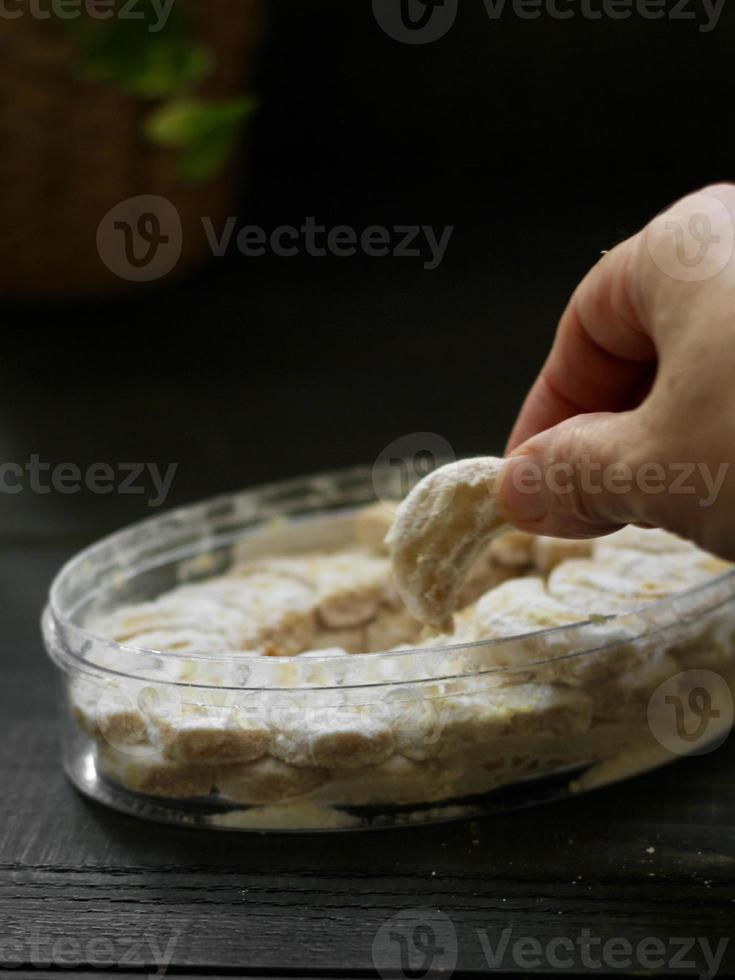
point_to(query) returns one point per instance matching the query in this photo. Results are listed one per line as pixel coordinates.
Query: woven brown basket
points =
(71, 149)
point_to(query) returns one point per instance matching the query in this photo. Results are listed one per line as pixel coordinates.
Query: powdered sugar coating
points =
(439, 531)
(552, 697)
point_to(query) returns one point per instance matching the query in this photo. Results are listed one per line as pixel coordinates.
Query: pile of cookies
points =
(518, 695)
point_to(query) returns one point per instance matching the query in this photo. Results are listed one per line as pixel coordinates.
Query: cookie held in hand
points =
(438, 532)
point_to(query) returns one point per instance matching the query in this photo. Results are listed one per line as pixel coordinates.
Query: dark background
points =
(543, 142)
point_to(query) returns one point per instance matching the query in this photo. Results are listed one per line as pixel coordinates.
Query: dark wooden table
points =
(83, 889)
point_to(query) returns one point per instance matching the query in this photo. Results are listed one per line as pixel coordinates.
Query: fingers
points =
(602, 357)
(639, 378)
(653, 467)
(573, 480)
(630, 305)
(685, 263)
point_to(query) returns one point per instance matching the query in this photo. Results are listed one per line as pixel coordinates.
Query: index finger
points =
(601, 357)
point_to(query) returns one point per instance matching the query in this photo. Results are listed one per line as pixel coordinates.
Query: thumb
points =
(575, 480)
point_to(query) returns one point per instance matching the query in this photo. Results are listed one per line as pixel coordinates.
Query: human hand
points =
(632, 418)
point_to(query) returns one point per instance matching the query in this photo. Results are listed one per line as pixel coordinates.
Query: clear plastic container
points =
(237, 741)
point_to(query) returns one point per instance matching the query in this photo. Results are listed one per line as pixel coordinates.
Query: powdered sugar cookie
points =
(534, 677)
(512, 549)
(651, 540)
(180, 640)
(348, 586)
(516, 607)
(373, 523)
(189, 615)
(350, 640)
(268, 781)
(622, 581)
(536, 647)
(391, 629)
(518, 710)
(547, 553)
(614, 699)
(109, 711)
(440, 529)
(397, 781)
(337, 735)
(156, 776)
(485, 574)
(213, 734)
(538, 638)
(349, 737)
(277, 609)
(417, 722)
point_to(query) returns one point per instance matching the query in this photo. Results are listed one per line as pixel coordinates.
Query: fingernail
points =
(522, 496)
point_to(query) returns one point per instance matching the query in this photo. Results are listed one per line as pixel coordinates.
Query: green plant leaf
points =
(163, 62)
(205, 133)
(148, 64)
